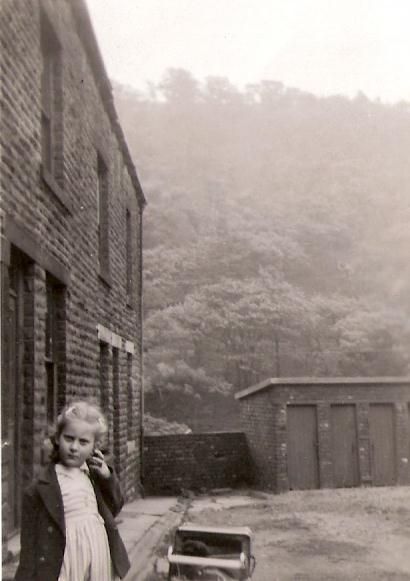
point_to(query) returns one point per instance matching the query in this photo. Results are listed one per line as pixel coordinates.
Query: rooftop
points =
(310, 381)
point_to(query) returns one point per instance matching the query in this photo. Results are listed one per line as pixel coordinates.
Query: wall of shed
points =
(264, 420)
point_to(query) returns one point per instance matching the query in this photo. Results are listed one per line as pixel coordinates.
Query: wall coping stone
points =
(311, 381)
(193, 434)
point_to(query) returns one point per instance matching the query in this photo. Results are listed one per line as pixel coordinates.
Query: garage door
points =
(382, 440)
(408, 453)
(303, 470)
(344, 446)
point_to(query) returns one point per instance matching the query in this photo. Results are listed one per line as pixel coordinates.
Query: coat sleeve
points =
(28, 538)
(112, 493)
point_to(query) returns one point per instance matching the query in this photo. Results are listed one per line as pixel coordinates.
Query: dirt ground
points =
(322, 535)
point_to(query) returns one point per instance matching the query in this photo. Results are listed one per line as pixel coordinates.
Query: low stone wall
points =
(173, 463)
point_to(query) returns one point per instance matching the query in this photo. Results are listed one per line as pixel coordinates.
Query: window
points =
(51, 102)
(102, 218)
(55, 346)
(116, 410)
(129, 258)
(104, 377)
(130, 399)
(105, 394)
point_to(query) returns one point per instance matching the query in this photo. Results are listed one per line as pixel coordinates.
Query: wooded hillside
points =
(277, 239)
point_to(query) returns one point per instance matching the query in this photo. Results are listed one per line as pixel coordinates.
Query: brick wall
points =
(257, 424)
(195, 461)
(54, 226)
(264, 410)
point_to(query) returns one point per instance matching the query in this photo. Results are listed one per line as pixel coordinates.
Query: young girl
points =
(68, 531)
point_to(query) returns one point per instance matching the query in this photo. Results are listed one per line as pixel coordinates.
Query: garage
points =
(328, 432)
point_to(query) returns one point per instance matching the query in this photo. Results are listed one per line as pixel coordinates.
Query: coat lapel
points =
(49, 491)
(102, 507)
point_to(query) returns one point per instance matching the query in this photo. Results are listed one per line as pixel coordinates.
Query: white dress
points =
(87, 553)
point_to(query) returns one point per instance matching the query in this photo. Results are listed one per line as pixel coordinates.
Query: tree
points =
(276, 237)
(179, 87)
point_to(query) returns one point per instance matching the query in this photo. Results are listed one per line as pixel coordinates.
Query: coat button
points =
(42, 559)
(50, 529)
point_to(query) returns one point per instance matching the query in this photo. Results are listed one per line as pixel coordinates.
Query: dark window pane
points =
(51, 392)
(46, 143)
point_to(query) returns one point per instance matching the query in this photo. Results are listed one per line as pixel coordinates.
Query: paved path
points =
(142, 524)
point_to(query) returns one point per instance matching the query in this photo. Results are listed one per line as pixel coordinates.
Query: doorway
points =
(303, 464)
(382, 441)
(344, 446)
(12, 399)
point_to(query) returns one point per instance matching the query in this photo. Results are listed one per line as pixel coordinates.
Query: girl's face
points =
(76, 443)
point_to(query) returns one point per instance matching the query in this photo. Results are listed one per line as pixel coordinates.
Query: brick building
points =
(71, 235)
(328, 433)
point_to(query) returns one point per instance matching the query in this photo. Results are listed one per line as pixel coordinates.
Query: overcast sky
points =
(321, 46)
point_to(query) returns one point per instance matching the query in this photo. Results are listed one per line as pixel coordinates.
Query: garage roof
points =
(309, 381)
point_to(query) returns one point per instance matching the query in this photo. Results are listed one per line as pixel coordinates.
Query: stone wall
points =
(173, 463)
(51, 223)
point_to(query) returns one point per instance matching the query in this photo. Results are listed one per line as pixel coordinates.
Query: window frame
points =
(102, 216)
(129, 258)
(54, 338)
(51, 115)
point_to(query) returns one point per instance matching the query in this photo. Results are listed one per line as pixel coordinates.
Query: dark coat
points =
(43, 526)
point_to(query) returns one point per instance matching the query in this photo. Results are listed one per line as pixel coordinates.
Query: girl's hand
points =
(98, 465)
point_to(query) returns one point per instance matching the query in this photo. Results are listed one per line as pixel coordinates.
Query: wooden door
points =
(408, 453)
(303, 466)
(382, 444)
(344, 446)
(12, 415)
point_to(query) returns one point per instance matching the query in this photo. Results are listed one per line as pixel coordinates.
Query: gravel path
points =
(322, 535)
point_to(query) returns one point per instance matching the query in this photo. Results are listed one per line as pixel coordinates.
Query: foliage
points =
(158, 426)
(276, 238)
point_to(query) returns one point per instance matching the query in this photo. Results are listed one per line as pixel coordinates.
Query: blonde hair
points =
(79, 410)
